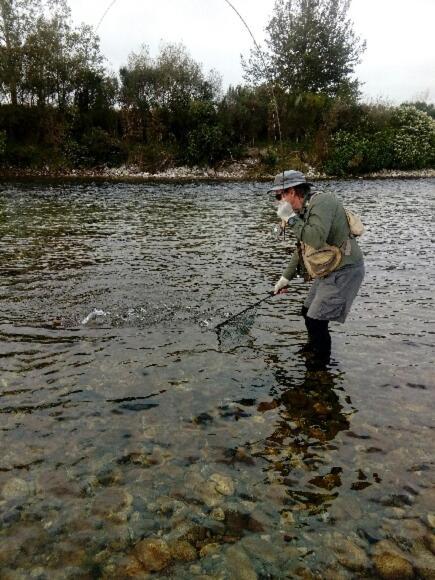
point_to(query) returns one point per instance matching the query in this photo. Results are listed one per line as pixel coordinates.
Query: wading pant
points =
(330, 298)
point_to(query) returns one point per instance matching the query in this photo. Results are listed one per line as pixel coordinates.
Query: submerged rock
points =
(129, 567)
(223, 484)
(423, 559)
(16, 488)
(424, 564)
(209, 550)
(349, 554)
(237, 523)
(238, 564)
(392, 566)
(209, 495)
(217, 514)
(260, 548)
(183, 550)
(429, 540)
(113, 504)
(154, 554)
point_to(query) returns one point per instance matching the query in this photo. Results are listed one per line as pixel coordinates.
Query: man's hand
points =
(285, 211)
(282, 283)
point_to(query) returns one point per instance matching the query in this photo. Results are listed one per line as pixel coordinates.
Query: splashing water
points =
(96, 315)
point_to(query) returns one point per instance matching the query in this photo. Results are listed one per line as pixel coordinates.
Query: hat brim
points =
(286, 186)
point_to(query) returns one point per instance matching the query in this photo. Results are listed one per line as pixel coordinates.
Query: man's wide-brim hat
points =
(287, 179)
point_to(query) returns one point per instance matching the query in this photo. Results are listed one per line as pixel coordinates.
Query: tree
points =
(157, 93)
(310, 48)
(18, 19)
(245, 113)
(172, 77)
(58, 61)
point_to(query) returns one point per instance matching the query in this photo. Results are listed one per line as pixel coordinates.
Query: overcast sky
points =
(398, 65)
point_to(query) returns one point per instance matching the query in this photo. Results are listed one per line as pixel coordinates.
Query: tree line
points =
(300, 104)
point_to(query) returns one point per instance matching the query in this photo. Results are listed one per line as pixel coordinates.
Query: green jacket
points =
(323, 221)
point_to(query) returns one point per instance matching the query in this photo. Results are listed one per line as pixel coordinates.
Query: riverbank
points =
(240, 171)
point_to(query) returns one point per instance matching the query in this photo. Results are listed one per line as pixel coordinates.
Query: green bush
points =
(23, 155)
(97, 147)
(269, 157)
(206, 145)
(414, 138)
(355, 153)
(396, 138)
(151, 157)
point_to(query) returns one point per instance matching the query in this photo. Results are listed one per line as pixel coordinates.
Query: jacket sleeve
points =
(314, 230)
(290, 271)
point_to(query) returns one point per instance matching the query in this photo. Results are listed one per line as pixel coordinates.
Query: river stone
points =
(261, 548)
(113, 504)
(168, 505)
(335, 572)
(423, 559)
(209, 550)
(209, 495)
(223, 484)
(9, 550)
(154, 554)
(410, 529)
(424, 564)
(183, 550)
(287, 518)
(349, 554)
(238, 565)
(392, 566)
(16, 488)
(431, 520)
(429, 540)
(386, 547)
(129, 567)
(305, 574)
(217, 514)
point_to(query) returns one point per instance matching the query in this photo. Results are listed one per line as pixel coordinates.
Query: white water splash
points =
(94, 315)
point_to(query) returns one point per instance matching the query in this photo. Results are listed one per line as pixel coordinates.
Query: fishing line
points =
(257, 46)
(105, 14)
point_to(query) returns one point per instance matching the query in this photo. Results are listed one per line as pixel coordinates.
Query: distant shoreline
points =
(235, 172)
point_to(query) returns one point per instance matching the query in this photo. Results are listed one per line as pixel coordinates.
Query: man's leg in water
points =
(319, 337)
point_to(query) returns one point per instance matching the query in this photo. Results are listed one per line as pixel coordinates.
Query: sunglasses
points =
(278, 196)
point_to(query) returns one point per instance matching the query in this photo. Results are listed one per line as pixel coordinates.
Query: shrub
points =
(269, 157)
(399, 138)
(152, 157)
(359, 153)
(414, 138)
(205, 145)
(23, 155)
(98, 147)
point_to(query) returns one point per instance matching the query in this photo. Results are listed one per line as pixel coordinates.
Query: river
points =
(137, 439)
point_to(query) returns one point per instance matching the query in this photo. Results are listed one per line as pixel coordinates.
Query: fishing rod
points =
(257, 46)
(260, 54)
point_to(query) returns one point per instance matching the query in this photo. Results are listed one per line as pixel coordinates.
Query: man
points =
(316, 220)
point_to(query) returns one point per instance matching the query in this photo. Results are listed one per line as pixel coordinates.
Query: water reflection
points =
(310, 417)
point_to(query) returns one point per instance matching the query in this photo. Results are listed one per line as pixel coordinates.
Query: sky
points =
(398, 64)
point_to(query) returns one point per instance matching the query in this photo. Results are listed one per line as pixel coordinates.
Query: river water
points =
(144, 441)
